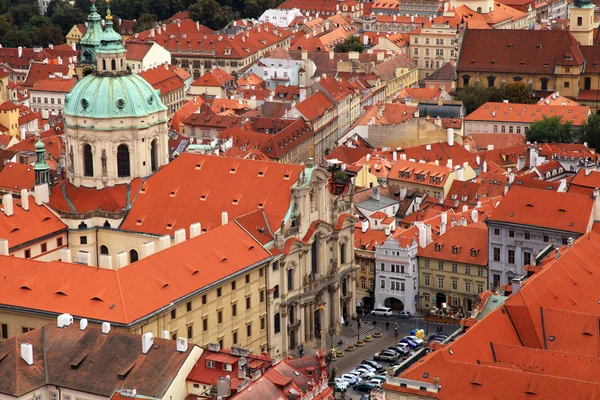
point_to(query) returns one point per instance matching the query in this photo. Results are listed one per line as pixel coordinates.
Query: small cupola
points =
(111, 55)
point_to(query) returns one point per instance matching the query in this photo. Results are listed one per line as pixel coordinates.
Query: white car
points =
(382, 311)
(350, 378)
(415, 339)
(367, 367)
(376, 382)
(341, 385)
(364, 373)
(404, 345)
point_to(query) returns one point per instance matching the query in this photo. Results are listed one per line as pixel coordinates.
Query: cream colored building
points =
(433, 47)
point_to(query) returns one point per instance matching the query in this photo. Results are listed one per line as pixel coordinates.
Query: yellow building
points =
(453, 268)
(9, 119)
(397, 73)
(208, 289)
(75, 34)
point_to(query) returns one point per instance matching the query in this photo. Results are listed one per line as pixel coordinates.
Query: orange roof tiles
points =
(498, 140)
(163, 79)
(28, 225)
(198, 188)
(137, 51)
(136, 290)
(68, 198)
(54, 145)
(386, 114)
(464, 244)
(39, 72)
(15, 177)
(427, 174)
(216, 78)
(249, 79)
(528, 113)
(562, 211)
(315, 106)
(187, 109)
(587, 179)
(61, 85)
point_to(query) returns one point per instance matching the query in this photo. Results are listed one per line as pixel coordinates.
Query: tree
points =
(550, 130)
(48, 34)
(590, 131)
(21, 14)
(146, 21)
(65, 16)
(352, 43)
(474, 97)
(517, 92)
(211, 14)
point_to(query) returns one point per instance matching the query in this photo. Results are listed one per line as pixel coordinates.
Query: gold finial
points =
(108, 13)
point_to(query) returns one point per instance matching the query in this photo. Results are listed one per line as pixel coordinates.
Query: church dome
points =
(109, 96)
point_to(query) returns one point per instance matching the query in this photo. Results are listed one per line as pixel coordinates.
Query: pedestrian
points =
(374, 324)
(387, 326)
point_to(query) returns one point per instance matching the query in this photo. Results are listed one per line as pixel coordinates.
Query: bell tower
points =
(581, 21)
(91, 40)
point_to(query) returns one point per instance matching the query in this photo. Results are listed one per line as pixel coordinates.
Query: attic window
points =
(539, 46)
(125, 371)
(96, 298)
(438, 247)
(25, 287)
(529, 205)
(562, 210)
(473, 252)
(198, 165)
(61, 293)
(551, 338)
(454, 249)
(173, 192)
(261, 173)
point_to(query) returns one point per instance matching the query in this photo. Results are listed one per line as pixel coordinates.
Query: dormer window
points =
(473, 252)
(438, 247)
(454, 249)
(211, 364)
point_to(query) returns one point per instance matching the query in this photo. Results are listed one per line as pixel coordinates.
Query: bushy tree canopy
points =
(550, 130)
(352, 43)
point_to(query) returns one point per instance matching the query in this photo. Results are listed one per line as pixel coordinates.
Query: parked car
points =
(364, 373)
(410, 343)
(404, 346)
(438, 336)
(364, 387)
(378, 382)
(367, 367)
(400, 350)
(341, 385)
(415, 339)
(404, 314)
(363, 310)
(382, 311)
(380, 377)
(386, 355)
(373, 364)
(350, 378)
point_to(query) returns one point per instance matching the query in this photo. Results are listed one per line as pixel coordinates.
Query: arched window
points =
(276, 292)
(106, 224)
(579, 21)
(133, 256)
(103, 250)
(88, 161)
(491, 80)
(82, 225)
(478, 10)
(113, 65)
(121, 63)
(290, 279)
(277, 323)
(104, 65)
(153, 160)
(343, 253)
(123, 168)
(466, 79)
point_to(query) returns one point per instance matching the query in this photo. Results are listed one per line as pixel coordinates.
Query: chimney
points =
(484, 166)
(7, 203)
(428, 234)
(224, 218)
(521, 163)
(165, 335)
(83, 323)
(121, 259)
(557, 253)
(331, 54)
(460, 174)
(74, 46)
(24, 199)
(443, 223)
(449, 163)
(364, 226)
(41, 193)
(105, 261)
(4, 247)
(450, 136)
(147, 249)
(490, 147)
(478, 160)
(182, 345)
(570, 242)
(465, 208)
(105, 328)
(164, 242)
(368, 157)
(195, 229)
(375, 194)
(422, 236)
(516, 285)
(20, 51)
(395, 156)
(474, 215)
(179, 236)
(64, 320)
(147, 342)
(27, 350)
(403, 156)
(65, 255)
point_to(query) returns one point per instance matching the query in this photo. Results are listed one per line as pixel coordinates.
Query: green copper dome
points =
(110, 40)
(110, 96)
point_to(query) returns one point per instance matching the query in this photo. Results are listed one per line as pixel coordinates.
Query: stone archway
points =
(394, 304)
(440, 298)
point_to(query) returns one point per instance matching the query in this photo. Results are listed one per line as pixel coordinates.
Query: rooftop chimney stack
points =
(182, 345)
(166, 335)
(24, 199)
(4, 247)
(224, 218)
(147, 249)
(64, 320)
(7, 203)
(422, 236)
(105, 328)
(147, 342)
(364, 226)
(474, 215)
(450, 136)
(27, 353)
(195, 229)
(484, 166)
(164, 242)
(179, 236)
(83, 323)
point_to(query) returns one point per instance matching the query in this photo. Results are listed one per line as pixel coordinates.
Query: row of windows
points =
(510, 256)
(453, 284)
(527, 235)
(480, 270)
(44, 247)
(39, 100)
(190, 330)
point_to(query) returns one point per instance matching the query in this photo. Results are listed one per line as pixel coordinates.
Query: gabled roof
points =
(39, 71)
(215, 78)
(66, 197)
(60, 85)
(445, 73)
(463, 244)
(547, 209)
(428, 174)
(15, 176)
(58, 359)
(163, 79)
(314, 106)
(198, 188)
(137, 51)
(128, 294)
(528, 113)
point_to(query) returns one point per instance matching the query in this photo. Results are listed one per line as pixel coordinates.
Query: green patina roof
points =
(110, 41)
(41, 164)
(124, 95)
(92, 35)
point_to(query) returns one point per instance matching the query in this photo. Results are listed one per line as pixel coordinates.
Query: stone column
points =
(311, 319)
(284, 332)
(336, 308)
(324, 316)
(302, 327)
(352, 305)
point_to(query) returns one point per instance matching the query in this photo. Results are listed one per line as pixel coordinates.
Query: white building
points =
(143, 56)
(396, 274)
(279, 72)
(48, 95)
(280, 18)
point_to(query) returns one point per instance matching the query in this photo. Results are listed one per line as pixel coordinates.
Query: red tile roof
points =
(68, 198)
(315, 106)
(463, 244)
(39, 71)
(186, 109)
(7, 106)
(430, 174)
(60, 85)
(198, 188)
(54, 145)
(137, 51)
(528, 113)
(498, 140)
(135, 290)
(586, 179)
(163, 79)
(348, 155)
(26, 115)
(28, 225)
(548, 209)
(15, 177)
(215, 78)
